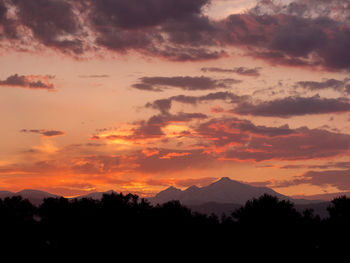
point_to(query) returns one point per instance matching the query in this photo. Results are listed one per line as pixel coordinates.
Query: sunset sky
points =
(139, 95)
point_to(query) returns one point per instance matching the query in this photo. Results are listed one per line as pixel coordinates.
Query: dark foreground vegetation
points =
(126, 225)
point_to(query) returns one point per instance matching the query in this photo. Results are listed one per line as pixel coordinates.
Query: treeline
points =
(125, 224)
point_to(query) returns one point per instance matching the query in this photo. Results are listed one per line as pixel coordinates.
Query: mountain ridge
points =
(225, 190)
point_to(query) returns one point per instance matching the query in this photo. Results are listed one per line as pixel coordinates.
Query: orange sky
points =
(237, 89)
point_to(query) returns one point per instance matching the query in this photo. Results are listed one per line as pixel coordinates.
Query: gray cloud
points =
(184, 83)
(53, 23)
(251, 72)
(336, 178)
(311, 33)
(338, 85)
(293, 106)
(36, 82)
(304, 144)
(45, 133)
(164, 105)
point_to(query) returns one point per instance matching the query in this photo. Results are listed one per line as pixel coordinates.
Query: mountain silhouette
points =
(224, 190)
(95, 195)
(34, 196)
(216, 196)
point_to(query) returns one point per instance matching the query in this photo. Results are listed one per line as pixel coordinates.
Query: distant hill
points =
(225, 191)
(327, 197)
(34, 196)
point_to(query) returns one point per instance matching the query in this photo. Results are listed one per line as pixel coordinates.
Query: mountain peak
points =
(225, 190)
(192, 188)
(225, 179)
(172, 188)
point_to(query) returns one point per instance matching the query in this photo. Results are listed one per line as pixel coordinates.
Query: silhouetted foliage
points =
(127, 225)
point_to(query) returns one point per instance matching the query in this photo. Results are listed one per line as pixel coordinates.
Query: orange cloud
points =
(174, 154)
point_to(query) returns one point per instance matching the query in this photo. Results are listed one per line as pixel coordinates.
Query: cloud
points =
(293, 106)
(151, 128)
(184, 83)
(338, 85)
(30, 82)
(250, 72)
(230, 139)
(45, 133)
(304, 144)
(53, 23)
(298, 33)
(336, 178)
(329, 165)
(226, 133)
(174, 155)
(164, 105)
(169, 29)
(94, 76)
(131, 15)
(177, 161)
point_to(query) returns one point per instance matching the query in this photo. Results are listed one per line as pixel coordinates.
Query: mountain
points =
(223, 191)
(226, 195)
(34, 196)
(95, 195)
(4, 194)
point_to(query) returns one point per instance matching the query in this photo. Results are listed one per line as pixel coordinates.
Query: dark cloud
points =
(185, 83)
(338, 85)
(226, 131)
(7, 24)
(53, 23)
(304, 144)
(300, 33)
(132, 14)
(335, 178)
(184, 53)
(293, 106)
(315, 34)
(164, 105)
(31, 82)
(329, 165)
(296, 34)
(175, 30)
(251, 72)
(45, 133)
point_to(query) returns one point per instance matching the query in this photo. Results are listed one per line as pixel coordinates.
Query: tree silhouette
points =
(127, 225)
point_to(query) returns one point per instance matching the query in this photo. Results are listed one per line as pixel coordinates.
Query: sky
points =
(140, 95)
